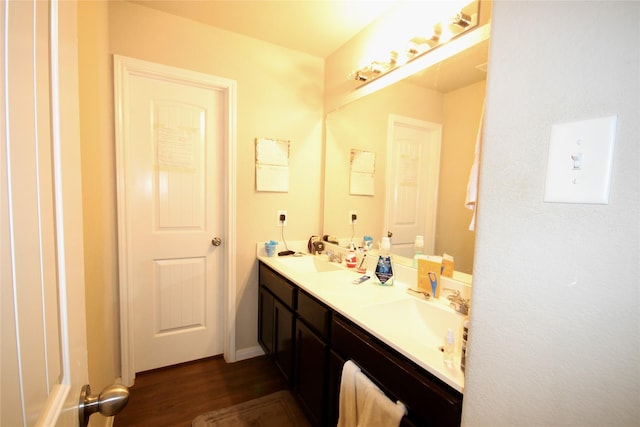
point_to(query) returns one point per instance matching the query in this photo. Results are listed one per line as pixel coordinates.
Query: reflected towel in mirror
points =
(471, 201)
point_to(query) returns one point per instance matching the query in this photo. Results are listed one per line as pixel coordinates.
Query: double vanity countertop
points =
(414, 327)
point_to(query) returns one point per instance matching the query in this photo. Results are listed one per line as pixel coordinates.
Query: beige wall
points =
(555, 336)
(279, 96)
(98, 193)
(363, 125)
(462, 113)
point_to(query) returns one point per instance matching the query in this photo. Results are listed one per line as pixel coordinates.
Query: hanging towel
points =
(347, 400)
(362, 403)
(471, 201)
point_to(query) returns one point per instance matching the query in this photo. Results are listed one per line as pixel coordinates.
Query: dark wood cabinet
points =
(276, 319)
(310, 343)
(429, 401)
(283, 339)
(311, 373)
(265, 319)
(336, 362)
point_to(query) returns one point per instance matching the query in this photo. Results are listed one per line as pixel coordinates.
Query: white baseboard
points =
(249, 352)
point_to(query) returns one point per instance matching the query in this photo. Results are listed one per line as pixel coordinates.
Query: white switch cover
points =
(580, 161)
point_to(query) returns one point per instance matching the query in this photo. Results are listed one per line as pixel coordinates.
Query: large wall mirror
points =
(446, 100)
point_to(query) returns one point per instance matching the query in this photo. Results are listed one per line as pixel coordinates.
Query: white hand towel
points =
(376, 410)
(471, 200)
(348, 416)
(363, 404)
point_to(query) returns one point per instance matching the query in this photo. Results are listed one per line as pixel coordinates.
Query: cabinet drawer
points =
(314, 314)
(280, 287)
(429, 401)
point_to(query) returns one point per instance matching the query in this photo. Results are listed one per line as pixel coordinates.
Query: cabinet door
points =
(311, 373)
(429, 401)
(333, 387)
(265, 319)
(283, 339)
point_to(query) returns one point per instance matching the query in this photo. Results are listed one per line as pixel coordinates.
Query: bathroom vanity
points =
(312, 319)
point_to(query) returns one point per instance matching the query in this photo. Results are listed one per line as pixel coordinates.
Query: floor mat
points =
(277, 410)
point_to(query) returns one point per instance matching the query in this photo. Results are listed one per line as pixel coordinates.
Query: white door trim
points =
(124, 66)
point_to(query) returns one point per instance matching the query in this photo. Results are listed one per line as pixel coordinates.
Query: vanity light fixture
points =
(417, 46)
(462, 20)
(376, 68)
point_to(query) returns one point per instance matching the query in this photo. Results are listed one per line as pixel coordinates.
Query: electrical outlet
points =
(282, 218)
(353, 217)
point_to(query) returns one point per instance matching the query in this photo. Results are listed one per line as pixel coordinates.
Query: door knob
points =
(109, 402)
(216, 241)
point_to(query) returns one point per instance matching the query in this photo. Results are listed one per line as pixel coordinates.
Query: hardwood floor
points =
(175, 395)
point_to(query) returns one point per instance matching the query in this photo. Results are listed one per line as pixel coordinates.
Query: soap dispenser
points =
(449, 346)
(384, 266)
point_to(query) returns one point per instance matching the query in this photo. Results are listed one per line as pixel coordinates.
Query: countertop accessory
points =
(425, 294)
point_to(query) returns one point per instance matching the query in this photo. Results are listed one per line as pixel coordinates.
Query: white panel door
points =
(174, 142)
(412, 193)
(43, 352)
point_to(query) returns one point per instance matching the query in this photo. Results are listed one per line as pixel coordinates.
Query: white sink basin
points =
(308, 264)
(413, 321)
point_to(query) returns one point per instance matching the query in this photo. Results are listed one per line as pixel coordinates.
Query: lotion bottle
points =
(449, 347)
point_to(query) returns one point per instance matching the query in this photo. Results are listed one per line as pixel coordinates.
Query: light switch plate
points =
(580, 161)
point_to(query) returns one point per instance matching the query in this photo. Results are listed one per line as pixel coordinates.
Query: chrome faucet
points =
(459, 304)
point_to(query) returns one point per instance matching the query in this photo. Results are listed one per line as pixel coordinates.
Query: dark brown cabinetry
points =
(276, 307)
(429, 401)
(310, 343)
(310, 373)
(312, 349)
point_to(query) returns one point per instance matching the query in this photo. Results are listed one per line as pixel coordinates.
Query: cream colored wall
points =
(363, 125)
(279, 96)
(98, 193)
(462, 113)
(555, 336)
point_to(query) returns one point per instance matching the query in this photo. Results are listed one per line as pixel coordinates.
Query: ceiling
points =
(317, 27)
(455, 72)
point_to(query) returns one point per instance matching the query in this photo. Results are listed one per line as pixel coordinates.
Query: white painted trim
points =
(54, 405)
(230, 225)
(249, 352)
(122, 67)
(57, 397)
